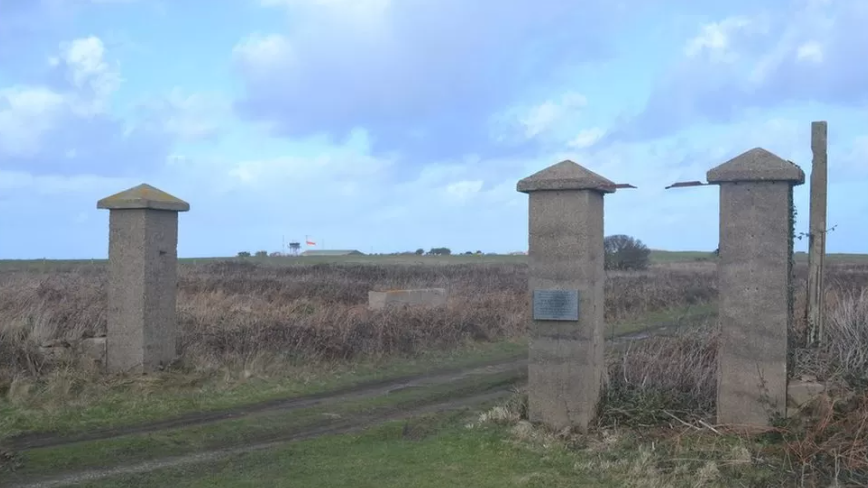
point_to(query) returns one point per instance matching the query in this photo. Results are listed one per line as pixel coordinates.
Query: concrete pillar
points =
(755, 282)
(566, 283)
(143, 278)
(817, 237)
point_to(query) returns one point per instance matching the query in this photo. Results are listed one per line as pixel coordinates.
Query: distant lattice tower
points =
(294, 248)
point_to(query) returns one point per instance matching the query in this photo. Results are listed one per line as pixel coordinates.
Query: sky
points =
(392, 125)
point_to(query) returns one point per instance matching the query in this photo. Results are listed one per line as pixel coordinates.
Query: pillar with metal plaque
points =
(566, 283)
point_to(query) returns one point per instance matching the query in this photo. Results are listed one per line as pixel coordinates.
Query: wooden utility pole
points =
(817, 238)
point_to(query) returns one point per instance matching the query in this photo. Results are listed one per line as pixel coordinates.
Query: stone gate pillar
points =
(567, 286)
(143, 278)
(755, 281)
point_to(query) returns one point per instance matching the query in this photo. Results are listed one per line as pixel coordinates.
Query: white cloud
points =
(810, 51)
(417, 73)
(186, 116)
(586, 138)
(715, 39)
(334, 166)
(89, 73)
(263, 54)
(461, 191)
(64, 125)
(761, 60)
(544, 121)
(26, 114)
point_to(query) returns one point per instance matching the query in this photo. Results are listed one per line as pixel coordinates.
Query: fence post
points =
(143, 275)
(755, 282)
(566, 286)
(817, 236)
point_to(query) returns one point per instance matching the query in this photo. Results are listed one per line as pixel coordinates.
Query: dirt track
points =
(514, 369)
(339, 427)
(360, 391)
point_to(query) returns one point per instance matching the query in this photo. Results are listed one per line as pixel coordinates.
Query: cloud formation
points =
(423, 77)
(803, 51)
(66, 124)
(399, 124)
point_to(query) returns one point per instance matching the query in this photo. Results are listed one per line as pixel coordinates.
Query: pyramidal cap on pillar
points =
(143, 196)
(756, 164)
(565, 175)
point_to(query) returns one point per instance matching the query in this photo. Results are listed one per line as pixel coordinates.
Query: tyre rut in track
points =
(346, 426)
(364, 390)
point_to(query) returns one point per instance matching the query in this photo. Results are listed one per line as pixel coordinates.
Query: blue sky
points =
(388, 125)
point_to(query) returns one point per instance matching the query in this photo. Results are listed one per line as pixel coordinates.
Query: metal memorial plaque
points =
(556, 305)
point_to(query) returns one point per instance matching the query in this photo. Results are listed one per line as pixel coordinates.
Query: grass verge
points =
(157, 397)
(465, 449)
(248, 430)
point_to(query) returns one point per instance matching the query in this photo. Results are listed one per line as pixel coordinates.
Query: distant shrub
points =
(261, 254)
(625, 253)
(243, 254)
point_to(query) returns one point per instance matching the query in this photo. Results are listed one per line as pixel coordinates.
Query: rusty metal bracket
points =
(621, 186)
(684, 184)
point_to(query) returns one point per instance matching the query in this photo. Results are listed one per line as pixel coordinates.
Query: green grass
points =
(169, 395)
(665, 257)
(687, 316)
(447, 453)
(450, 455)
(264, 427)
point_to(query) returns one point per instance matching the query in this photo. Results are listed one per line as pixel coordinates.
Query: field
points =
(281, 363)
(658, 257)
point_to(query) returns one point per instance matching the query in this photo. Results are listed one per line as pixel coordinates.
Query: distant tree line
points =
(259, 254)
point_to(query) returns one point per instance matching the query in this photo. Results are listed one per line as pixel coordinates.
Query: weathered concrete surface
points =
(143, 265)
(91, 348)
(817, 236)
(423, 297)
(94, 348)
(566, 358)
(754, 282)
(801, 392)
(756, 164)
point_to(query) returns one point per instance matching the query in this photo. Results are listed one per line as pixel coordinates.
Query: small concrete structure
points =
(89, 348)
(801, 392)
(143, 278)
(755, 282)
(566, 280)
(423, 297)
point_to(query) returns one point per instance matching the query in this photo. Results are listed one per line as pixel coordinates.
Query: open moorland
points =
(285, 378)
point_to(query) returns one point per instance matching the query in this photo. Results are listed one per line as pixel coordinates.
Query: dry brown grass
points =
(229, 311)
(671, 382)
